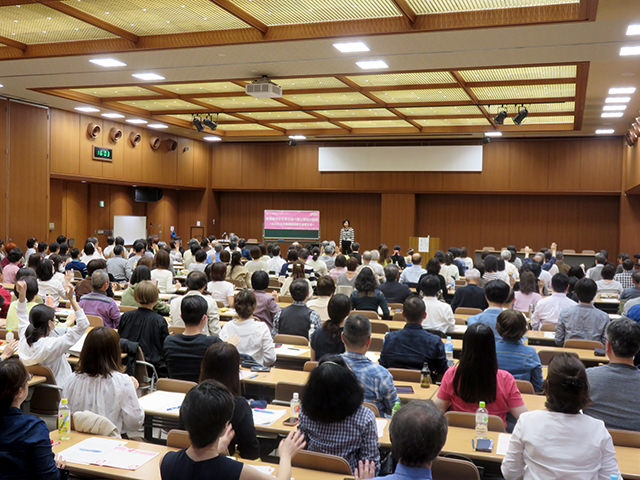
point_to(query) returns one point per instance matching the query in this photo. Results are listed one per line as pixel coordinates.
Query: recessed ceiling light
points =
(628, 51)
(147, 76)
(633, 29)
(617, 100)
(492, 134)
(212, 138)
(350, 47)
(136, 121)
(614, 108)
(372, 64)
(297, 137)
(157, 125)
(87, 109)
(107, 62)
(612, 114)
(622, 90)
(113, 115)
(605, 131)
(1, 85)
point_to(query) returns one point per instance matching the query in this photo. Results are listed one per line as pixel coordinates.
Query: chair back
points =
(291, 339)
(126, 308)
(568, 250)
(284, 392)
(95, 321)
(584, 344)
(178, 439)
(460, 283)
(625, 438)
(548, 327)
(285, 299)
(459, 320)
(405, 374)
(468, 420)
(274, 282)
(370, 314)
(308, 366)
(376, 344)
(174, 385)
(444, 468)
(491, 249)
(467, 311)
(372, 407)
(174, 330)
(344, 290)
(397, 306)
(145, 373)
(525, 386)
(321, 461)
(77, 273)
(379, 327)
(588, 252)
(46, 396)
(397, 317)
(219, 304)
(547, 355)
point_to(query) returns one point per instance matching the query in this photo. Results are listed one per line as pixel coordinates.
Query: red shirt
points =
(507, 395)
(6, 294)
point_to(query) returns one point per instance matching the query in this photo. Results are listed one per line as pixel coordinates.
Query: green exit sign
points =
(101, 153)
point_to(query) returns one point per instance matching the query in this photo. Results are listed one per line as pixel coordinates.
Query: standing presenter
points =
(347, 237)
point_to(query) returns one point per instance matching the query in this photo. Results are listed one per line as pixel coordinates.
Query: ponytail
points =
(315, 253)
(39, 318)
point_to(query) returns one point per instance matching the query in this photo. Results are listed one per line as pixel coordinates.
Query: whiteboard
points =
(129, 227)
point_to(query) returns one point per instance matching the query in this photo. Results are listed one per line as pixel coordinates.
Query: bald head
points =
(416, 259)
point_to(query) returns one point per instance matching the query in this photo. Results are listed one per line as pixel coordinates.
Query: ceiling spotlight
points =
(372, 64)
(297, 137)
(522, 114)
(614, 108)
(492, 134)
(617, 100)
(113, 115)
(612, 114)
(212, 138)
(136, 121)
(629, 51)
(197, 122)
(499, 118)
(633, 29)
(157, 125)
(210, 123)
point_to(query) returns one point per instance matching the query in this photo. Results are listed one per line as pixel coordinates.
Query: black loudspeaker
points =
(147, 194)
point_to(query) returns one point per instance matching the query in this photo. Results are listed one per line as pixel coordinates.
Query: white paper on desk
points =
(126, 458)
(245, 374)
(77, 347)
(503, 443)
(460, 329)
(373, 356)
(549, 334)
(90, 451)
(380, 424)
(291, 350)
(267, 416)
(63, 312)
(160, 401)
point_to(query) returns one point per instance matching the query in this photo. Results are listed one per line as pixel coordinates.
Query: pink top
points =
(522, 301)
(507, 395)
(9, 273)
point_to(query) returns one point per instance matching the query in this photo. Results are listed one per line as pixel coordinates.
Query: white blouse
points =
(52, 287)
(255, 339)
(221, 291)
(165, 280)
(551, 445)
(113, 397)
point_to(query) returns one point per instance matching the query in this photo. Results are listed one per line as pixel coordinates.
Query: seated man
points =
(75, 263)
(497, 293)
(117, 265)
(625, 276)
(412, 346)
(439, 314)
(297, 318)
(595, 272)
(607, 284)
(376, 380)
(615, 388)
(85, 286)
(418, 432)
(183, 352)
(196, 285)
(548, 308)
(394, 291)
(472, 294)
(98, 303)
(583, 320)
(411, 275)
(632, 293)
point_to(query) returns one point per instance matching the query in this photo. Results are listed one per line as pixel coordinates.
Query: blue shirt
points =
(412, 274)
(376, 381)
(411, 347)
(25, 447)
(521, 361)
(403, 473)
(489, 317)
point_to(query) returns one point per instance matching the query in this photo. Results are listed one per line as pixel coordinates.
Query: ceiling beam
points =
(406, 10)
(242, 15)
(314, 114)
(472, 96)
(13, 44)
(581, 94)
(90, 19)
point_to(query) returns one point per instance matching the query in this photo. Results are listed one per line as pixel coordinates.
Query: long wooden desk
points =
(572, 259)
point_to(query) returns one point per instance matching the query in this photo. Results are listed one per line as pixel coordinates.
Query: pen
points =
(90, 450)
(173, 408)
(263, 410)
(53, 444)
(253, 376)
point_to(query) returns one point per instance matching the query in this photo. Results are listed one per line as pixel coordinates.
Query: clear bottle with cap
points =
(425, 376)
(295, 405)
(448, 350)
(64, 419)
(396, 407)
(482, 421)
(10, 337)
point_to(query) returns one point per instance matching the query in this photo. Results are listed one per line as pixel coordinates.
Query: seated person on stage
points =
(74, 264)
(477, 379)
(324, 290)
(607, 284)
(145, 326)
(221, 362)
(183, 352)
(497, 294)
(297, 318)
(614, 388)
(333, 419)
(162, 273)
(367, 296)
(548, 309)
(412, 274)
(267, 303)
(515, 357)
(471, 295)
(582, 321)
(25, 447)
(206, 413)
(117, 265)
(253, 337)
(418, 432)
(560, 443)
(196, 286)
(375, 379)
(328, 339)
(220, 289)
(98, 384)
(412, 346)
(439, 314)
(97, 303)
(142, 272)
(393, 290)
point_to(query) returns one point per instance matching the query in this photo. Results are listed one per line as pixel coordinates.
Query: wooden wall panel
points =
(397, 218)
(65, 142)
(578, 222)
(4, 167)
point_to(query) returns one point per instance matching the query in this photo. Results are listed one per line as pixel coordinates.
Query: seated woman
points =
(47, 283)
(515, 357)
(324, 290)
(332, 416)
(348, 278)
(25, 447)
(162, 273)
(339, 268)
(477, 379)
(527, 295)
(141, 273)
(297, 272)
(206, 412)
(237, 273)
(266, 302)
(319, 266)
(39, 343)
(98, 384)
(254, 338)
(607, 284)
(221, 362)
(328, 339)
(218, 287)
(561, 442)
(366, 296)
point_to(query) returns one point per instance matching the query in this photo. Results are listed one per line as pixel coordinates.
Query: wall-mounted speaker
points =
(155, 143)
(170, 144)
(135, 138)
(115, 134)
(93, 130)
(147, 194)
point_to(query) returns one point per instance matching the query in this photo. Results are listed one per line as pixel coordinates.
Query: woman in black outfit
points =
(327, 340)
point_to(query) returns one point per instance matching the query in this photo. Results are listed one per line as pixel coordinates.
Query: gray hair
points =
(375, 255)
(472, 274)
(99, 278)
(506, 255)
(367, 256)
(391, 272)
(329, 249)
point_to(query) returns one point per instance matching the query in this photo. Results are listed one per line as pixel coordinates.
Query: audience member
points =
(90, 252)
(324, 290)
(237, 273)
(319, 266)
(47, 284)
(339, 268)
(582, 321)
(411, 275)
(449, 270)
(497, 293)
(141, 273)
(393, 290)
(595, 272)
(607, 284)
(548, 309)
(297, 318)
(221, 290)
(297, 273)
(328, 256)
(275, 264)
(509, 267)
(199, 263)
(138, 251)
(328, 339)
(85, 286)
(97, 303)
(439, 316)
(266, 303)
(196, 285)
(471, 295)
(367, 296)
(117, 264)
(162, 273)
(31, 248)
(31, 295)
(10, 270)
(348, 278)
(256, 263)
(624, 277)
(527, 297)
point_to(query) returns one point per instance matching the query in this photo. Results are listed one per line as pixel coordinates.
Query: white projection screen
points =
(436, 158)
(129, 227)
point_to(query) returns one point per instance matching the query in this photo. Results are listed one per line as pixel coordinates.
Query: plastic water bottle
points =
(448, 350)
(395, 408)
(64, 419)
(295, 405)
(312, 329)
(10, 336)
(425, 376)
(482, 421)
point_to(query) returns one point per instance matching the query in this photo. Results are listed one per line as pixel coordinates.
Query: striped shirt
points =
(347, 234)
